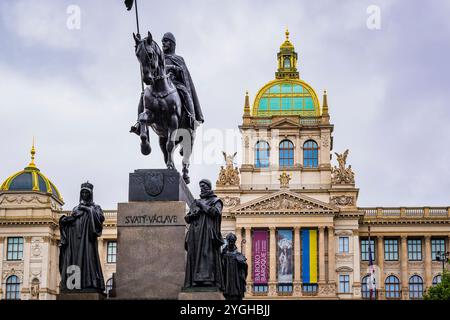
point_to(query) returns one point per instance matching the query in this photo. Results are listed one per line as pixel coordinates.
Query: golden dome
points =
(31, 179)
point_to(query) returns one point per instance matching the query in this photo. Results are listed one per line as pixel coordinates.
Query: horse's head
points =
(150, 57)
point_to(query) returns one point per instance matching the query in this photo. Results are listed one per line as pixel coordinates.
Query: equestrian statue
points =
(169, 103)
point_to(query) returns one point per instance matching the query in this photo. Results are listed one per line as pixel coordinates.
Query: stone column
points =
(380, 264)
(272, 261)
(428, 280)
(25, 288)
(331, 256)
(356, 266)
(238, 234)
(404, 267)
(297, 261)
(248, 253)
(321, 254)
(2, 257)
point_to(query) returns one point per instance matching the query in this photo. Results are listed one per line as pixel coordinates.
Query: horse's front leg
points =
(143, 133)
(170, 145)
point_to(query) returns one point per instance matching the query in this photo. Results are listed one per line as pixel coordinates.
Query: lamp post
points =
(442, 256)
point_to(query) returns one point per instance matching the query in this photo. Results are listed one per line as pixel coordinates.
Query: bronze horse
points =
(160, 107)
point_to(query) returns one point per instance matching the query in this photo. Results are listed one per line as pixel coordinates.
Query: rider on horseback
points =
(181, 78)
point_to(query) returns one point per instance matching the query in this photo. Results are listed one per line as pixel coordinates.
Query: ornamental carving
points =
(36, 247)
(284, 180)
(13, 272)
(231, 201)
(284, 201)
(327, 289)
(228, 176)
(342, 200)
(24, 199)
(246, 142)
(341, 174)
(326, 141)
(272, 290)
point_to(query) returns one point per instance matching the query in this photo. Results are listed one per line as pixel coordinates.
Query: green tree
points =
(440, 291)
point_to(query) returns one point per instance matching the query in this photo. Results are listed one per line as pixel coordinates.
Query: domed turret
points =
(31, 179)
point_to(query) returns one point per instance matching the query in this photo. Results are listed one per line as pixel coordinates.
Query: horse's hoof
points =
(146, 149)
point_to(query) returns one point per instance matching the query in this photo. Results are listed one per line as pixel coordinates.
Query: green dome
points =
(31, 179)
(286, 97)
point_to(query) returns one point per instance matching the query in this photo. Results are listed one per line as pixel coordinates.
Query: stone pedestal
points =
(201, 294)
(150, 236)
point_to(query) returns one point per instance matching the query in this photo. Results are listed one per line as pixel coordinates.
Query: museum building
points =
(296, 215)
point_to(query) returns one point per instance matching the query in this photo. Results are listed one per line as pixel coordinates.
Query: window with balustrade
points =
(414, 249)
(415, 287)
(392, 288)
(391, 249)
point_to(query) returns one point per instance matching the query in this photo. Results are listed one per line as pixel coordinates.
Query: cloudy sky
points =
(76, 89)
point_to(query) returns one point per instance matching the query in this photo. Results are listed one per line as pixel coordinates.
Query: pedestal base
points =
(80, 296)
(201, 294)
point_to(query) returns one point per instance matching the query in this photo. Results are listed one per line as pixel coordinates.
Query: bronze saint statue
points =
(204, 240)
(79, 262)
(235, 269)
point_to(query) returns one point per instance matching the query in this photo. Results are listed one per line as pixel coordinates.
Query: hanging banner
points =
(309, 256)
(260, 257)
(285, 257)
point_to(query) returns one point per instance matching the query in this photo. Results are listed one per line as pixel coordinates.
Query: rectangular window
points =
(437, 245)
(343, 245)
(260, 288)
(365, 249)
(414, 249)
(309, 288)
(111, 252)
(344, 283)
(15, 248)
(391, 249)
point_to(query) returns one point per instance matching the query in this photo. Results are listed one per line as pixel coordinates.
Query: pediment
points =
(286, 202)
(285, 123)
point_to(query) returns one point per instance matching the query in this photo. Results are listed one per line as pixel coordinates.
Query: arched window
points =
(109, 286)
(415, 287)
(286, 153)
(437, 279)
(365, 289)
(392, 287)
(310, 154)
(262, 154)
(287, 62)
(13, 288)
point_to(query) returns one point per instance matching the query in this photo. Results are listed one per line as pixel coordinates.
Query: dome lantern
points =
(287, 60)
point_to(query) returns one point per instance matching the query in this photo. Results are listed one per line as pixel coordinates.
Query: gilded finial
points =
(325, 104)
(287, 34)
(246, 104)
(33, 152)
